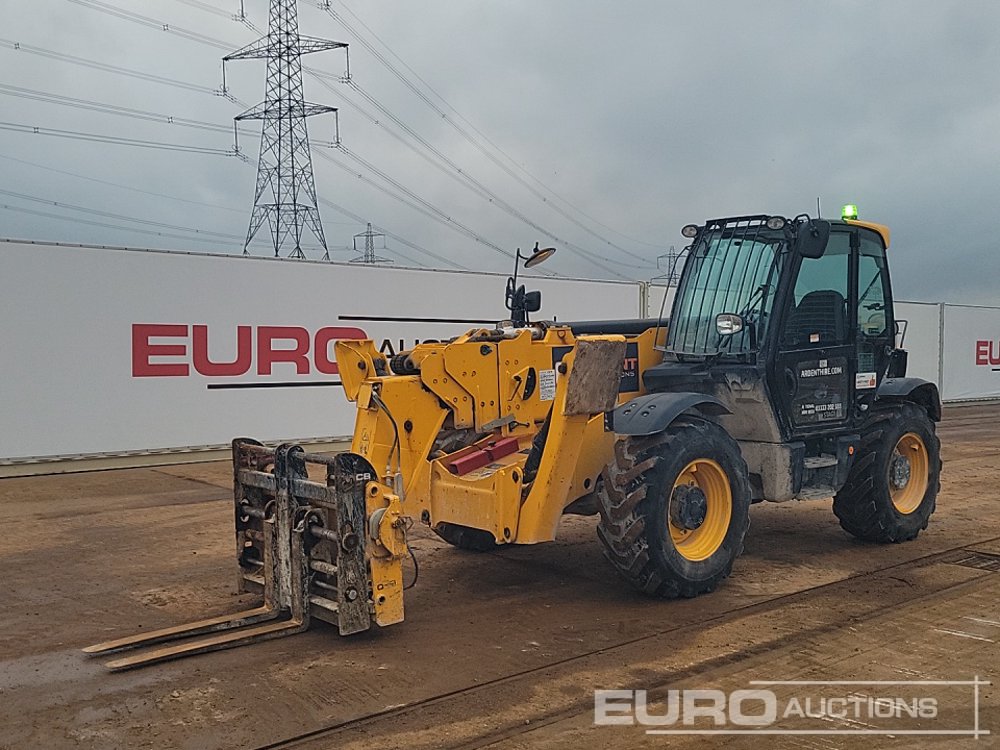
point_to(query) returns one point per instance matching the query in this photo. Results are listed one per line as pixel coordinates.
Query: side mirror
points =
(532, 301)
(813, 234)
(728, 324)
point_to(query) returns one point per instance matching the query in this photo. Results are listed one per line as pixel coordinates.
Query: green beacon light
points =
(849, 211)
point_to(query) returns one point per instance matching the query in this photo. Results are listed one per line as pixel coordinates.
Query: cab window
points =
(817, 314)
(872, 319)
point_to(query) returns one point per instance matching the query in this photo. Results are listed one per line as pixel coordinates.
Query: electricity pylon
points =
(285, 196)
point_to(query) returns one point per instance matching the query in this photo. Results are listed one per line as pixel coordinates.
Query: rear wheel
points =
(892, 488)
(465, 537)
(675, 508)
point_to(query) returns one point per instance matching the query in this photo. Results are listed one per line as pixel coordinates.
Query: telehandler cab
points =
(777, 378)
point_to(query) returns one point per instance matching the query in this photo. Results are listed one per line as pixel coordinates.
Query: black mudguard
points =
(921, 392)
(653, 413)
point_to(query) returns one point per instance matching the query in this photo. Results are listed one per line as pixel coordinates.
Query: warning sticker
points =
(546, 385)
(864, 380)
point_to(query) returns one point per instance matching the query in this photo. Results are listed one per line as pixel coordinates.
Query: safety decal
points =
(546, 385)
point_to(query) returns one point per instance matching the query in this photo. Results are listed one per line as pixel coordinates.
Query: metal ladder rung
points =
(199, 627)
(230, 639)
(258, 479)
(322, 601)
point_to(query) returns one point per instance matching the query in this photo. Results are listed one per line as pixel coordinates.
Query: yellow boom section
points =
(455, 438)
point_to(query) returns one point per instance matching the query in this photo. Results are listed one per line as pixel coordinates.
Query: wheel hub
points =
(899, 471)
(688, 507)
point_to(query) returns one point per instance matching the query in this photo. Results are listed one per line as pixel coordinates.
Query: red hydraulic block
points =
(502, 448)
(469, 462)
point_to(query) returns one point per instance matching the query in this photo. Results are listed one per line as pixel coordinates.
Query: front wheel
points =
(675, 508)
(892, 487)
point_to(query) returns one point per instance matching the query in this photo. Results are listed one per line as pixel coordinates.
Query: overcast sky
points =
(632, 117)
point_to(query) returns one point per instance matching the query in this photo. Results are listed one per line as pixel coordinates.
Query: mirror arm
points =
(517, 262)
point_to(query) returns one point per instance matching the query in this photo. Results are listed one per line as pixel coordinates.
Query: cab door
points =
(815, 366)
(875, 321)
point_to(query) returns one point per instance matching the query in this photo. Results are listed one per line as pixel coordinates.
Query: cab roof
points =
(881, 229)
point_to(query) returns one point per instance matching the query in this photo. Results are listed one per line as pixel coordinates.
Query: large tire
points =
(887, 499)
(656, 530)
(465, 537)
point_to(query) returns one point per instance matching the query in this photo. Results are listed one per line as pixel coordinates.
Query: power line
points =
(117, 140)
(441, 215)
(238, 17)
(325, 6)
(432, 213)
(356, 217)
(464, 133)
(78, 220)
(69, 101)
(211, 9)
(147, 21)
(155, 23)
(114, 109)
(152, 23)
(105, 67)
(131, 188)
(130, 72)
(17, 46)
(120, 217)
(454, 171)
(413, 201)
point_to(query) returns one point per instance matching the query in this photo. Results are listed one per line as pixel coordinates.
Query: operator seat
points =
(822, 312)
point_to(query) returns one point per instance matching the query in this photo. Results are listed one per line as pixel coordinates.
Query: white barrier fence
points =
(955, 346)
(970, 352)
(920, 335)
(110, 351)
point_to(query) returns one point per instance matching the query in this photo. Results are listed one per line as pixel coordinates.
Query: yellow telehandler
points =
(777, 378)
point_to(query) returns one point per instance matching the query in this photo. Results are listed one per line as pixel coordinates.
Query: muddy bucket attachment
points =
(299, 542)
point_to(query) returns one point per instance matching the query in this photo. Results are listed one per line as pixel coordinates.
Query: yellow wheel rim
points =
(702, 542)
(909, 473)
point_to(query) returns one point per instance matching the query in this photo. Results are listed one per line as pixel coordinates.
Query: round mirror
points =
(539, 256)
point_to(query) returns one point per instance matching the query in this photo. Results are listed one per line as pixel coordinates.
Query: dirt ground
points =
(502, 649)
